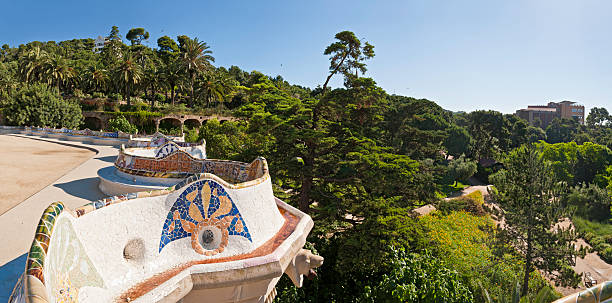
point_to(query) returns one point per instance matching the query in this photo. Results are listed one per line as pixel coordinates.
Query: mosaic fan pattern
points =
(202, 202)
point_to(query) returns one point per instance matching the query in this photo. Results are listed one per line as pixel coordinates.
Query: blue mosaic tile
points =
(166, 150)
(182, 204)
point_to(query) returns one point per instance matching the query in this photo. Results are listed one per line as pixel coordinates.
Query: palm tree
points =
(216, 86)
(196, 57)
(128, 73)
(57, 71)
(32, 63)
(172, 74)
(96, 77)
(152, 79)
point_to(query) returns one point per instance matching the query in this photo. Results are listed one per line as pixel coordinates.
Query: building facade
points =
(100, 42)
(546, 113)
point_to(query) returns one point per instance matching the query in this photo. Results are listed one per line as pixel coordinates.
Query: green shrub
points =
(98, 95)
(472, 203)
(606, 253)
(173, 109)
(419, 278)
(461, 169)
(191, 135)
(476, 196)
(112, 106)
(159, 97)
(122, 124)
(115, 96)
(40, 105)
(141, 106)
(590, 201)
(597, 234)
(80, 95)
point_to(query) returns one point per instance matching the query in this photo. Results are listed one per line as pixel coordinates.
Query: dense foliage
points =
(122, 124)
(419, 278)
(40, 105)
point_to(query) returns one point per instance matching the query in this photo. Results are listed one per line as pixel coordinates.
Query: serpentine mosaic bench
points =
(148, 168)
(85, 136)
(202, 240)
(172, 161)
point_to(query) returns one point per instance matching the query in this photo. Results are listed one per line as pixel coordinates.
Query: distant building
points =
(546, 113)
(100, 42)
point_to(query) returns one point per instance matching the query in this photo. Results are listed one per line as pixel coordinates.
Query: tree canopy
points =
(137, 35)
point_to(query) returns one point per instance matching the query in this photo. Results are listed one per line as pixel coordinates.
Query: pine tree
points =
(530, 198)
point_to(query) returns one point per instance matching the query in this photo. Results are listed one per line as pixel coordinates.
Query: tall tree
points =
(114, 33)
(58, 71)
(172, 74)
(137, 35)
(96, 78)
(346, 54)
(196, 57)
(182, 41)
(113, 48)
(562, 130)
(490, 133)
(128, 73)
(8, 79)
(31, 67)
(458, 141)
(461, 169)
(216, 86)
(530, 198)
(167, 48)
(598, 116)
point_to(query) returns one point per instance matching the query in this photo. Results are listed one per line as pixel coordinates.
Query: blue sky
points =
(465, 55)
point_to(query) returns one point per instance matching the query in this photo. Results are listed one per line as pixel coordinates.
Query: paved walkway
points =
(75, 188)
(484, 189)
(28, 165)
(592, 262)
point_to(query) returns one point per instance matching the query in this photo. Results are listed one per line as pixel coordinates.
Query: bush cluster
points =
(40, 105)
(597, 234)
(472, 203)
(122, 124)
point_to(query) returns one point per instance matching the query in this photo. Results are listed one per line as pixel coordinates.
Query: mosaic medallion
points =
(205, 213)
(166, 149)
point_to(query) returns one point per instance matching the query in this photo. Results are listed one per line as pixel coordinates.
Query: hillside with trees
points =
(356, 159)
